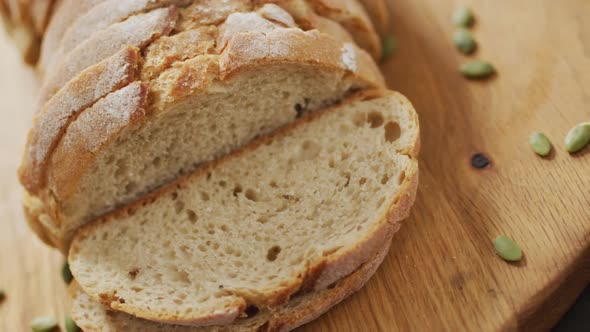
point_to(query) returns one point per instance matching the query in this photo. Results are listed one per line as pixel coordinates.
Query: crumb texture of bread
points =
(255, 227)
(91, 316)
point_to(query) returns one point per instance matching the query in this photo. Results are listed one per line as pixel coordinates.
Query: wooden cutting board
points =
(442, 273)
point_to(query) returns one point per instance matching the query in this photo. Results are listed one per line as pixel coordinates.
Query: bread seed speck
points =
(44, 324)
(540, 144)
(464, 41)
(578, 137)
(463, 17)
(507, 248)
(2, 295)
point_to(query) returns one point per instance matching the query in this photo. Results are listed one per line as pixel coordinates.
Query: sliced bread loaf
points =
(91, 316)
(294, 211)
(198, 109)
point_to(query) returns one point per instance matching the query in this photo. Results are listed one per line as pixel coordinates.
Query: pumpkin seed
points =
(43, 324)
(464, 41)
(507, 248)
(70, 325)
(540, 144)
(578, 137)
(388, 47)
(477, 69)
(66, 274)
(463, 17)
(2, 295)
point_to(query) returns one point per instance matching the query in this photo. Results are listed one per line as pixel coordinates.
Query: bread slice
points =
(64, 14)
(198, 109)
(295, 211)
(91, 316)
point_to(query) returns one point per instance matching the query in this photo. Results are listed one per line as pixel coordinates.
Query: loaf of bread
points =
(212, 165)
(295, 211)
(91, 316)
(210, 90)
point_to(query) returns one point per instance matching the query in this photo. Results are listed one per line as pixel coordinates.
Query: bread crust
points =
(50, 123)
(326, 271)
(300, 310)
(245, 51)
(64, 14)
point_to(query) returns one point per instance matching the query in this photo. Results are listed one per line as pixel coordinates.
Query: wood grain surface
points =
(442, 273)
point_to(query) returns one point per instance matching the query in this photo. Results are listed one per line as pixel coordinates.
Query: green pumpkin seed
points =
(463, 17)
(388, 47)
(43, 324)
(507, 248)
(540, 144)
(70, 325)
(578, 138)
(464, 41)
(66, 274)
(477, 69)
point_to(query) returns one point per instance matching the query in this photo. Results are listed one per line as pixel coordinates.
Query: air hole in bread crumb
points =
(224, 228)
(380, 202)
(344, 156)
(178, 206)
(331, 163)
(130, 187)
(202, 248)
(273, 184)
(262, 219)
(375, 119)
(392, 132)
(401, 178)
(192, 216)
(362, 181)
(251, 195)
(204, 196)
(222, 184)
(251, 311)
(237, 189)
(157, 161)
(174, 196)
(273, 253)
(385, 178)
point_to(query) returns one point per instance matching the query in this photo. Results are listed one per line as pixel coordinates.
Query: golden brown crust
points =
(300, 310)
(137, 31)
(80, 93)
(330, 269)
(64, 14)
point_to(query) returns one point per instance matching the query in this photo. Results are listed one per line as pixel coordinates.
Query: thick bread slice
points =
(51, 122)
(301, 309)
(64, 14)
(202, 108)
(137, 31)
(295, 211)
